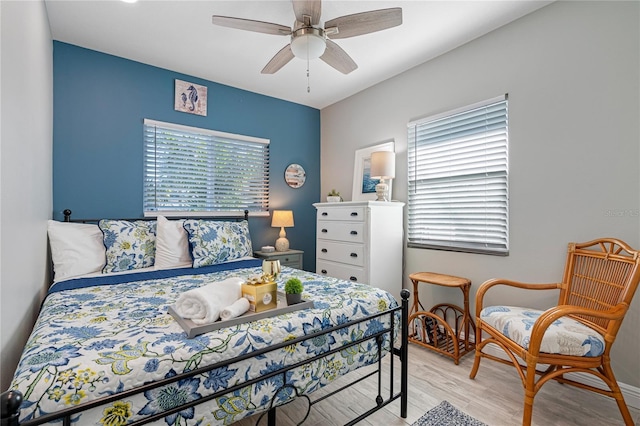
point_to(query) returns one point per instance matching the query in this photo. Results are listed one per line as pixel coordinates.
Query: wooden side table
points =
(431, 329)
(292, 258)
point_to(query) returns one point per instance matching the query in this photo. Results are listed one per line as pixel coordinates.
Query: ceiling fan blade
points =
(363, 23)
(311, 8)
(250, 25)
(280, 59)
(335, 56)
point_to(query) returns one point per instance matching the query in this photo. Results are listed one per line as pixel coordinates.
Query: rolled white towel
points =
(203, 305)
(234, 310)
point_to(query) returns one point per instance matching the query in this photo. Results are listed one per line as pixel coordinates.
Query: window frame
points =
(495, 224)
(215, 140)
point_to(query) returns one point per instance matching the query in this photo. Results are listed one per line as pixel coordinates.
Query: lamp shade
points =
(383, 165)
(282, 218)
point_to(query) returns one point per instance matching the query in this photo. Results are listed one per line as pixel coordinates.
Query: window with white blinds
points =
(205, 172)
(458, 180)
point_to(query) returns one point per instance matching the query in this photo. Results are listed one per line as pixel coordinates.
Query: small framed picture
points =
(190, 98)
(364, 188)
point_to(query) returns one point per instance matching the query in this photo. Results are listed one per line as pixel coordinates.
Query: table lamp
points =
(383, 166)
(283, 219)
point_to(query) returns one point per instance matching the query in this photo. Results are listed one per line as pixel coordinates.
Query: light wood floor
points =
(495, 397)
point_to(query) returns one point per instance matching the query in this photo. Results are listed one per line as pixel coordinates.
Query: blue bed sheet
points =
(150, 275)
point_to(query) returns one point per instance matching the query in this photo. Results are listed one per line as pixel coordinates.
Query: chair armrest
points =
(552, 314)
(484, 287)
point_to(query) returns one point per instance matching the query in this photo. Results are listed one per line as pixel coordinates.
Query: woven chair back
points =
(600, 275)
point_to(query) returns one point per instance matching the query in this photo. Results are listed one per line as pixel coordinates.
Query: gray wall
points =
(571, 72)
(26, 113)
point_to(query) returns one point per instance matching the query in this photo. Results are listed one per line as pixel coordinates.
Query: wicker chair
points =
(576, 336)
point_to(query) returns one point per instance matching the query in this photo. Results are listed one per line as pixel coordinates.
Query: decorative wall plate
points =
(295, 175)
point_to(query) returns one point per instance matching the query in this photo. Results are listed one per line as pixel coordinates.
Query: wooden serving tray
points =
(192, 329)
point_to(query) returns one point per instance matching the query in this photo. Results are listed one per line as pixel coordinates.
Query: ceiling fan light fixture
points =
(309, 40)
(308, 43)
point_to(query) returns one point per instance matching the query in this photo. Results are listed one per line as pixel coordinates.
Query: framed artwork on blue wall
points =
(364, 188)
(190, 98)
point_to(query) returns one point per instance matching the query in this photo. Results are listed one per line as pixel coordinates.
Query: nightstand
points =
(291, 258)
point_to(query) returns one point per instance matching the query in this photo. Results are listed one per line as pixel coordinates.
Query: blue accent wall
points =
(100, 102)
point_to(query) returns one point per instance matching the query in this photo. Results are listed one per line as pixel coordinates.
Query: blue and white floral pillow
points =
(214, 242)
(129, 245)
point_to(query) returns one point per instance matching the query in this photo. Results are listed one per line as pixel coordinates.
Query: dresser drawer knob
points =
(324, 250)
(325, 214)
(324, 271)
(354, 213)
(354, 232)
(325, 231)
(354, 255)
(353, 278)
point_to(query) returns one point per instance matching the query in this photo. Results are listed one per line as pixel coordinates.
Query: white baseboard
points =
(631, 393)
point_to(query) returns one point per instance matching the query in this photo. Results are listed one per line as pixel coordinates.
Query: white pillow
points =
(76, 249)
(172, 245)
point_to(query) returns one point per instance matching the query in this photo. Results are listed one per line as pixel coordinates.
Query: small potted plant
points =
(293, 289)
(334, 197)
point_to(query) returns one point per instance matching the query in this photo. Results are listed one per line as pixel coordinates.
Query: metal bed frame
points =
(11, 400)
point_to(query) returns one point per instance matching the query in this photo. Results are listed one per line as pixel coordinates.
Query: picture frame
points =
(190, 98)
(364, 188)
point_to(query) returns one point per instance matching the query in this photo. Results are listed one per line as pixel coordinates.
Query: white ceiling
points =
(178, 35)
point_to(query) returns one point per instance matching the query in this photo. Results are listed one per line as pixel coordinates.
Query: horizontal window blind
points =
(458, 180)
(187, 169)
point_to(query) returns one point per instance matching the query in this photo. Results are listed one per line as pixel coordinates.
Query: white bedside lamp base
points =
(282, 244)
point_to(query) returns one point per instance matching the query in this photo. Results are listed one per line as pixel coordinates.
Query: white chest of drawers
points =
(361, 241)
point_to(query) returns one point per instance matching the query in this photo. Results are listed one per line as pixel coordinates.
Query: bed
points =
(105, 351)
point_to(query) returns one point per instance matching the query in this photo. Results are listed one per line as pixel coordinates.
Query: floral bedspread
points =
(96, 341)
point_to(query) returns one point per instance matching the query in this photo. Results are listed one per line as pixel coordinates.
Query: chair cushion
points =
(565, 336)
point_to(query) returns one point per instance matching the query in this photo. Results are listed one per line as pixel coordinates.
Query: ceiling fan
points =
(309, 40)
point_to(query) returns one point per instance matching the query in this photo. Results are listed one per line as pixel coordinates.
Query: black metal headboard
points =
(67, 217)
